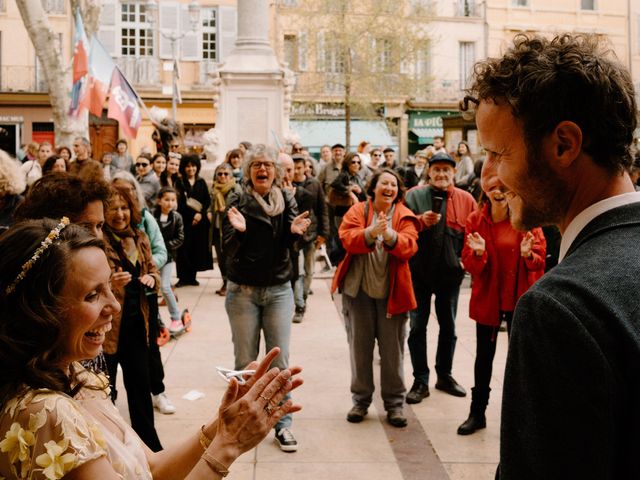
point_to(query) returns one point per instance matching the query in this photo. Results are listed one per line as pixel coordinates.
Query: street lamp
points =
(151, 9)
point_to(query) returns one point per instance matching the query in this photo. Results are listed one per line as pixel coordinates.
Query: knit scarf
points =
(220, 191)
(275, 206)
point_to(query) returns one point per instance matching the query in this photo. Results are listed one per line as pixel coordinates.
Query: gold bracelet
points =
(204, 440)
(215, 465)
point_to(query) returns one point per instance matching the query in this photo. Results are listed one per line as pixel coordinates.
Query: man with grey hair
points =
(84, 166)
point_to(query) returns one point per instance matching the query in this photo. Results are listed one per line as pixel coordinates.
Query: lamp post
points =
(151, 8)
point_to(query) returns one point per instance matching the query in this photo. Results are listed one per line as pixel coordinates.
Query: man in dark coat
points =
(556, 118)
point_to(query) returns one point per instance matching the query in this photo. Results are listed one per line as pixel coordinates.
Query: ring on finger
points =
(264, 398)
(269, 409)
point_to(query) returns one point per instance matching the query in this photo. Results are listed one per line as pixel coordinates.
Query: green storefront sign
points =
(427, 124)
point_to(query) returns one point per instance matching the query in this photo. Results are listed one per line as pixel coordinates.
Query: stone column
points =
(253, 94)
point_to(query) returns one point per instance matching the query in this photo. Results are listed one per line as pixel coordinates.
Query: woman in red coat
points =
(379, 236)
(503, 264)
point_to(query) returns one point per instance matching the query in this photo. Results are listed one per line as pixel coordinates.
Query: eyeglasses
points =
(141, 164)
(259, 165)
(223, 174)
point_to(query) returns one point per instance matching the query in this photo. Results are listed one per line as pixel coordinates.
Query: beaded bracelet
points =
(215, 465)
(204, 440)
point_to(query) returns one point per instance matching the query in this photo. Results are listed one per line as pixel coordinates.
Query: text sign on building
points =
(11, 119)
(427, 124)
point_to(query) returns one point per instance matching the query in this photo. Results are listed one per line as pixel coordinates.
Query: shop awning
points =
(426, 124)
(316, 133)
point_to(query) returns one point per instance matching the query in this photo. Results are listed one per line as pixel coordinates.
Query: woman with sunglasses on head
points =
(224, 184)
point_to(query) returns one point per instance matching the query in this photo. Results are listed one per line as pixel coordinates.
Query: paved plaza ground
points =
(330, 448)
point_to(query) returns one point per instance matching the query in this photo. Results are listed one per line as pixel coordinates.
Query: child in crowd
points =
(172, 229)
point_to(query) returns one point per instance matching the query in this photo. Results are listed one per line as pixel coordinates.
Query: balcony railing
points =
(20, 78)
(144, 71)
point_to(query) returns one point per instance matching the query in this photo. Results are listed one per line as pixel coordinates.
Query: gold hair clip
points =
(44, 245)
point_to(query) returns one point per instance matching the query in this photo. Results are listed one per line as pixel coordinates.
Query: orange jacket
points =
(405, 223)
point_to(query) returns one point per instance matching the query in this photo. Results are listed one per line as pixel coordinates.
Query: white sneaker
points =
(286, 440)
(163, 404)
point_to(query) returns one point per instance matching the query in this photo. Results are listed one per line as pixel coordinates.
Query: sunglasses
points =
(376, 155)
(138, 165)
(223, 174)
(357, 162)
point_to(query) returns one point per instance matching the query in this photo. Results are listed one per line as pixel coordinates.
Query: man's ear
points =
(565, 143)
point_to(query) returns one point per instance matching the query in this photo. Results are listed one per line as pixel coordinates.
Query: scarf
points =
(275, 206)
(220, 191)
(127, 242)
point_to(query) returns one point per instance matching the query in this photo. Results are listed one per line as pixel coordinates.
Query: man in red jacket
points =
(436, 270)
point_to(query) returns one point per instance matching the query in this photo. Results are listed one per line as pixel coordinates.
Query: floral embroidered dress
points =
(46, 434)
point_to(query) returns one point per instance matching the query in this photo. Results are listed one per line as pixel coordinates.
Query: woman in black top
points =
(195, 254)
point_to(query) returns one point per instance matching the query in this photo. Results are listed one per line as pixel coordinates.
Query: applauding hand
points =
(237, 220)
(476, 243)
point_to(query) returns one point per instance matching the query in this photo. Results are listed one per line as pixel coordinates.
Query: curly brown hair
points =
(32, 319)
(59, 194)
(572, 77)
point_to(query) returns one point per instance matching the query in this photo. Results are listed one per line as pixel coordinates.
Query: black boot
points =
(477, 419)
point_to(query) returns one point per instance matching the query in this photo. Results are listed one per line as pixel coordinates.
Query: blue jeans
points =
(306, 266)
(446, 308)
(167, 293)
(254, 309)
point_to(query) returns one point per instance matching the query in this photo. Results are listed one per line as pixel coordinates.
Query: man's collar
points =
(588, 214)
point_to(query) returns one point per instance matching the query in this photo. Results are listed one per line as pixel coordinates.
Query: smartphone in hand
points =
(436, 204)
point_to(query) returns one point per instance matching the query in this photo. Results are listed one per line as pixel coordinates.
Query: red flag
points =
(80, 58)
(123, 105)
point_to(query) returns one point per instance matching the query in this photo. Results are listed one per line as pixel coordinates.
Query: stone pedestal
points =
(253, 97)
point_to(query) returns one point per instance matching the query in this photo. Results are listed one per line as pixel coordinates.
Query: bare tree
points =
(368, 53)
(56, 68)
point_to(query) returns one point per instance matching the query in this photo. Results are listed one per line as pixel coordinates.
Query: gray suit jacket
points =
(571, 398)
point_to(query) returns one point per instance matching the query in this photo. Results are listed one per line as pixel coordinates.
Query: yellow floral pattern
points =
(55, 462)
(44, 435)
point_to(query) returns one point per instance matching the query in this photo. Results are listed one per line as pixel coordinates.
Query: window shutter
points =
(320, 53)
(302, 51)
(227, 30)
(107, 32)
(169, 23)
(190, 43)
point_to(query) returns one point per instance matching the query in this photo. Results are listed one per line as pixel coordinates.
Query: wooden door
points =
(103, 134)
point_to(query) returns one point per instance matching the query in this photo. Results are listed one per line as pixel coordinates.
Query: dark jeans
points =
(156, 370)
(486, 340)
(133, 356)
(446, 308)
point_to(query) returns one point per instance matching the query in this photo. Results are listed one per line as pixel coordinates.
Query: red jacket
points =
(484, 306)
(401, 297)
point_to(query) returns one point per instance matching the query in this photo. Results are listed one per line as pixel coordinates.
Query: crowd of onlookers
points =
(269, 216)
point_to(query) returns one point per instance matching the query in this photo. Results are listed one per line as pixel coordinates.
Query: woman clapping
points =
(379, 236)
(56, 419)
